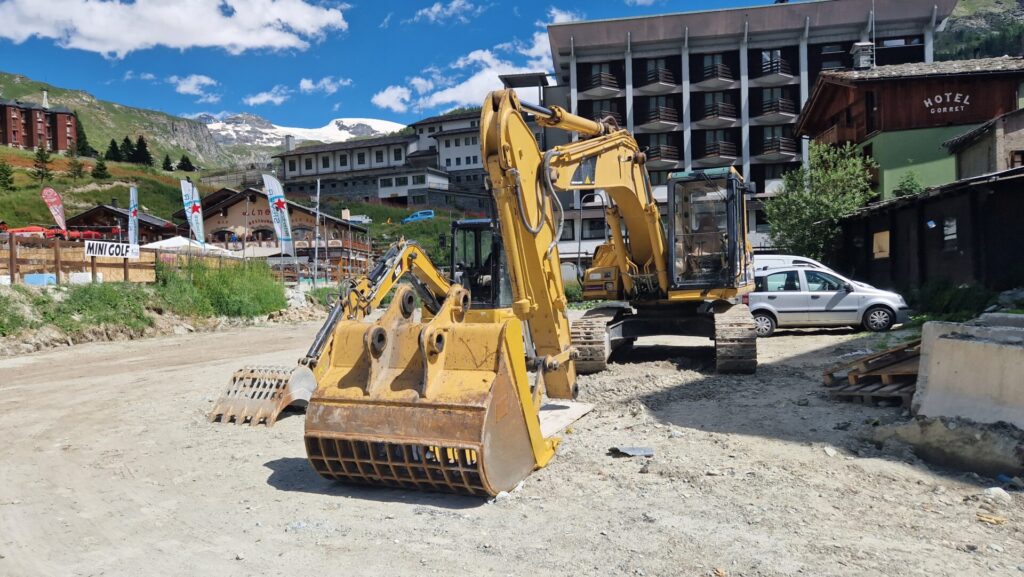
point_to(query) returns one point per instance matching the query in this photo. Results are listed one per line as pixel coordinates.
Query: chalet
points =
(111, 222)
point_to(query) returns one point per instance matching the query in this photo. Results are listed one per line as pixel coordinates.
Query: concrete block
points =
(973, 371)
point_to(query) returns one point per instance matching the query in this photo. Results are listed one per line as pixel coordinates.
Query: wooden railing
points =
(720, 110)
(660, 75)
(776, 66)
(779, 145)
(778, 106)
(663, 114)
(605, 80)
(664, 152)
(720, 71)
(722, 149)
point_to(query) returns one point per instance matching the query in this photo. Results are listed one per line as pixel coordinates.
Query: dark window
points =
(342, 160)
(291, 165)
(447, 162)
(309, 164)
(378, 156)
(822, 282)
(397, 154)
(325, 162)
(568, 231)
(419, 179)
(402, 181)
(1017, 158)
(779, 282)
(457, 141)
(594, 228)
(361, 158)
(658, 178)
(447, 143)
(949, 234)
(386, 183)
(458, 161)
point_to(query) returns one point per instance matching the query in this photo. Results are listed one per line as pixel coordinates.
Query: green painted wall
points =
(917, 151)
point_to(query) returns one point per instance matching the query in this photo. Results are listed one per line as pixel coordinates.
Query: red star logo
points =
(279, 204)
(135, 213)
(195, 208)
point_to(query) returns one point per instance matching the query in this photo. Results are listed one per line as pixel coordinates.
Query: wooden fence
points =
(20, 256)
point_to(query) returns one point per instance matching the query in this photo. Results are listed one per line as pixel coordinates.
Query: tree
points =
(142, 154)
(168, 166)
(41, 165)
(82, 140)
(100, 171)
(6, 176)
(805, 215)
(113, 153)
(76, 168)
(127, 150)
(186, 164)
(908, 185)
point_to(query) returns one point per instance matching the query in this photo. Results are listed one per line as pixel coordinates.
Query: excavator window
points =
(479, 265)
(701, 227)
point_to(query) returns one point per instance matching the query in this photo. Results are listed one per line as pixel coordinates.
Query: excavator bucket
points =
(440, 404)
(258, 394)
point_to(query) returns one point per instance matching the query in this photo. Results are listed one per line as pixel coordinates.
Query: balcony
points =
(716, 77)
(662, 156)
(660, 118)
(600, 115)
(602, 85)
(775, 72)
(718, 115)
(658, 81)
(836, 135)
(720, 153)
(777, 111)
(778, 149)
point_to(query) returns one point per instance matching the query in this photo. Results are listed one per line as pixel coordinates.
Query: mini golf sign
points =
(111, 249)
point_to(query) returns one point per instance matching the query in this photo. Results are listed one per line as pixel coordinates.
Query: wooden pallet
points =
(879, 378)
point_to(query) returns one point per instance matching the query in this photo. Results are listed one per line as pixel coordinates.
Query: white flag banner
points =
(193, 209)
(279, 214)
(133, 216)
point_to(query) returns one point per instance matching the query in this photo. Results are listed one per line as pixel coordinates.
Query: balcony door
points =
(770, 96)
(655, 64)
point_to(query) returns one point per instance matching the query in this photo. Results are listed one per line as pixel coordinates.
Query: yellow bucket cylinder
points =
(442, 404)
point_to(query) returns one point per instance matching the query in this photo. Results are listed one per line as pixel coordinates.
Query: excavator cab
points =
(478, 263)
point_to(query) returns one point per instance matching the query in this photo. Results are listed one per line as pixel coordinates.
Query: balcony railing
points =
(778, 106)
(721, 148)
(600, 115)
(662, 114)
(779, 145)
(604, 80)
(663, 152)
(660, 75)
(776, 66)
(720, 71)
(720, 110)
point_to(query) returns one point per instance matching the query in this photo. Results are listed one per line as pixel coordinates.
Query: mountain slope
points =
(104, 120)
(255, 130)
(983, 28)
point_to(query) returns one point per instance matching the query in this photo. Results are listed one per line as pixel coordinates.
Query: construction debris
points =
(889, 376)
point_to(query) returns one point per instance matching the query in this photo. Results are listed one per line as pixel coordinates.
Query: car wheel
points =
(764, 324)
(878, 319)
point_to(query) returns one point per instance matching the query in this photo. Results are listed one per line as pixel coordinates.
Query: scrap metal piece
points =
(631, 451)
(258, 394)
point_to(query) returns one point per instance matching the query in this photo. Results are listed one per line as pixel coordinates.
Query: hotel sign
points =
(946, 102)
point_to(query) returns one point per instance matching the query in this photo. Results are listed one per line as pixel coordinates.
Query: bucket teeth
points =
(258, 394)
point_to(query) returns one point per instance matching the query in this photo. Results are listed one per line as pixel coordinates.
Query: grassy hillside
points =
(425, 232)
(104, 120)
(159, 191)
(983, 28)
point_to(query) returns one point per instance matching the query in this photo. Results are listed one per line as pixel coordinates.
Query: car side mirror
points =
(848, 287)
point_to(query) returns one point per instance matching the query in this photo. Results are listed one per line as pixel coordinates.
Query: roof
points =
(524, 80)
(419, 153)
(937, 191)
(451, 131)
(209, 200)
(1002, 64)
(33, 106)
(350, 145)
(836, 18)
(144, 218)
(960, 142)
(475, 113)
(240, 195)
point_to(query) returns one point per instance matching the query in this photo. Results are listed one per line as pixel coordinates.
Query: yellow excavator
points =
(440, 397)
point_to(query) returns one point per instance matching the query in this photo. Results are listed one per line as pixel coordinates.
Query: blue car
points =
(421, 215)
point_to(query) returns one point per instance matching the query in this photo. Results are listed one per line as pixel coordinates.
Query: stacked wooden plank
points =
(888, 377)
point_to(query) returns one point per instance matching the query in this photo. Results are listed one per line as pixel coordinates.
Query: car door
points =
(829, 303)
(781, 292)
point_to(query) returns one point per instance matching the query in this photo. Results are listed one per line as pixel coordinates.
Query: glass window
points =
(594, 228)
(342, 160)
(386, 183)
(568, 231)
(325, 162)
(379, 156)
(447, 143)
(309, 164)
(291, 165)
(361, 158)
(458, 161)
(880, 245)
(779, 282)
(818, 282)
(468, 159)
(397, 154)
(402, 181)
(949, 234)
(447, 162)
(419, 179)
(457, 141)
(476, 159)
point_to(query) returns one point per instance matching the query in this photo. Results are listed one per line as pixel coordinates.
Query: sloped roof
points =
(475, 113)
(925, 69)
(960, 142)
(144, 218)
(349, 145)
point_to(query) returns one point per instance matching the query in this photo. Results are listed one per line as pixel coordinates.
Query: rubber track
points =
(735, 341)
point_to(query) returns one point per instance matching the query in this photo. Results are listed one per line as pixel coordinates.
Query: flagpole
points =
(316, 236)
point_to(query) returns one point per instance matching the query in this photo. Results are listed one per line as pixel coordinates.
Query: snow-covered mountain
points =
(250, 129)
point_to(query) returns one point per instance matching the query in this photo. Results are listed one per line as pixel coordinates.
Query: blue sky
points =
(294, 62)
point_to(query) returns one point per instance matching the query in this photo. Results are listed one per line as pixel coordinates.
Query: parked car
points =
(770, 261)
(800, 296)
(360, 219)
(420, 215)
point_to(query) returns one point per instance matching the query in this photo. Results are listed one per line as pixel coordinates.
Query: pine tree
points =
(168, 166)
(142, 155)
(99, 171)
(76, 169)
(113, 152)
(186, 164)
(41, 165)
(82, 140)
(6, 176)
(127, 150)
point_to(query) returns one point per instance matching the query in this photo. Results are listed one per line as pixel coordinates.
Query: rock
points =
(501, 497)
(997, 494)
(713, 473)
(239, 557)
(995, 547)
(843, 426)
(1011, 298)
(803, 403)
(179, 330)
(675, 434)
(830, 452)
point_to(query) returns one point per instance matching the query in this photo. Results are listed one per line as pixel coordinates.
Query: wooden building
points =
(901, 115)
(967, 232)
(111, 222)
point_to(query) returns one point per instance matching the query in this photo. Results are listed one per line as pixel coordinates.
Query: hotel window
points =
(458, 161)
(402, 181)
(291, 163)
(397, 154)
(430, 129)
(594, 229)
(420, 131)
(476, 159)
(325, 162)
(658, 178)
(568, 231)
(419, 179)
(342, 160)
(447, 143)
(474, 123)
(386, 183)
(468, 159)
(361, 158)
(378, 156)
(1017, 158)
(309, 164)
(447, 162)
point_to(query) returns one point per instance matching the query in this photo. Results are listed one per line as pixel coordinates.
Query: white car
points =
(809, 297)
(770, 261)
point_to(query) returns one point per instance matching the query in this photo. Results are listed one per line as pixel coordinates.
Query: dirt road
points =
(108, 467)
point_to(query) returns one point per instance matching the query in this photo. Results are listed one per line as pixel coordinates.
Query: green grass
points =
(10, 321)
(425, 232)
(84, 306)
(244, 290)
(325, 295)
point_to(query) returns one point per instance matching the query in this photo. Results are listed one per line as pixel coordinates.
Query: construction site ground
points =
(109, 467)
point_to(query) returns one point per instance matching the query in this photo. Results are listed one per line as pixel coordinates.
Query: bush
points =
(244, 290)
(10, 321)
(179, 294)
(573, 292)
(115, 304)
(950, 301)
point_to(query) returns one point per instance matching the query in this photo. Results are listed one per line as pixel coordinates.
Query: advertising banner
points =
(133, 216)
(111, 249)
(193, 209)
(56, 206)
(279, 214)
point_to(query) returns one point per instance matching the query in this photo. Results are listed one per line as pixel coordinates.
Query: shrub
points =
(950, 301)
(245, 290)
(115, 304)
(573, 292)
(179, 294)
(10, 321)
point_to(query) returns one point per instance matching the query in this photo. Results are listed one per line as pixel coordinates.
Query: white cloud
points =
(128, 76)
(327, 85)
(640, 2)
(386, 21)
(559, 16)
(218, 115)
(195, 85)
(455, 10)
(276, 96)
(394, 98)
(538, 50)
(116, 28)
(147, 76)
(421, 85)
(336, 107)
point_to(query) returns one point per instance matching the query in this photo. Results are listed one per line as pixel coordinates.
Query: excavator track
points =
(590, 338)
(735, 341)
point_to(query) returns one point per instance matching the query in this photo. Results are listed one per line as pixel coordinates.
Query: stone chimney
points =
(46, 98)
(289, 143)
(113, 202)
(863, 55)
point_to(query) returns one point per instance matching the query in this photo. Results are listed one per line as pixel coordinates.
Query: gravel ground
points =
(110, 468)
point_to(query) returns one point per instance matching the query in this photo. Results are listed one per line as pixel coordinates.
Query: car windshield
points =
(778, 282)
(818, 281)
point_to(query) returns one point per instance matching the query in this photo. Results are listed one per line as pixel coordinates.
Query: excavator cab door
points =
(478, 263)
